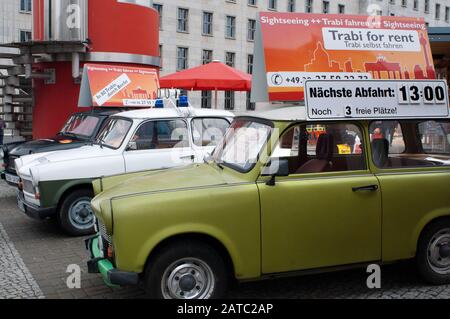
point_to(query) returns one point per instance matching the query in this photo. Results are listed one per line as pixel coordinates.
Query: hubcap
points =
(439, 252)
(81, 215)
(188, 278)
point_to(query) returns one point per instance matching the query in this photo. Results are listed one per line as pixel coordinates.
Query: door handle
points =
(191, 157)
(370, 188)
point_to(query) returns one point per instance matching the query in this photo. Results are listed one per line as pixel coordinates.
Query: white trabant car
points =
(59, 183)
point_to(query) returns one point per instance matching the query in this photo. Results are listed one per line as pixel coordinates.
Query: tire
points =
(75, 215)
(434, 267)
(195, 260)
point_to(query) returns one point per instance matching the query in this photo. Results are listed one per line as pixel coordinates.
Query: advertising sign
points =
(375, 99)
(292, 48)
(118, 86)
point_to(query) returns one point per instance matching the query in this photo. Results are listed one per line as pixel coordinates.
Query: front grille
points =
(28, 187)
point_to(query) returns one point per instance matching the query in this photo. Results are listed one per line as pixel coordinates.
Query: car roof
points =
(101, 112)
(288, 113)
(174, 113)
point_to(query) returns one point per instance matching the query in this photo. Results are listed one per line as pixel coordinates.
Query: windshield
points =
(242, 144)
(81, 125)
(114, 132)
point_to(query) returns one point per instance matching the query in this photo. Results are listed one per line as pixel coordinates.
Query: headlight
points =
(2, 152)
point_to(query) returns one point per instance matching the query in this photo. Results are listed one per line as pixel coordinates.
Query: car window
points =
(435, 137)
(114, 132)
(410, 144)
(160, 135)
(321, 147)
(81, 124)
(208, 131)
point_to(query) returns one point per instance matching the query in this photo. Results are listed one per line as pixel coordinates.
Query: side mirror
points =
(132, 146)
(277, 167)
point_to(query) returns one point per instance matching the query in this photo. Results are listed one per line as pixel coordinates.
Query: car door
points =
(327, 212)
(159, 144)
(207, 132)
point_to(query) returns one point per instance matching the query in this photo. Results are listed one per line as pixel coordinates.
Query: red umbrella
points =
(208, 77)
(214, 76)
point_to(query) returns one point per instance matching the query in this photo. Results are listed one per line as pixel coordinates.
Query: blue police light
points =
(183, 101)
(159, 104)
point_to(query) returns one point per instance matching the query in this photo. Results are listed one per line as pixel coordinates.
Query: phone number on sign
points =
(297, 79)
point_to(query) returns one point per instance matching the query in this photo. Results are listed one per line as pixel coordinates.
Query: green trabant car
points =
(281, 196)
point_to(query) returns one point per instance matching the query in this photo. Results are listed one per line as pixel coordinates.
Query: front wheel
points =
(433, 255)
(75, 215)
(187, 270)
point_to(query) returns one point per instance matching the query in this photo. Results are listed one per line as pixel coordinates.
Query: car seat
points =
(380, 152)
(324, 152)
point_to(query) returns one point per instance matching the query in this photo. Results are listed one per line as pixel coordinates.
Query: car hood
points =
(56, 143)
(24, 163)
(186, 177)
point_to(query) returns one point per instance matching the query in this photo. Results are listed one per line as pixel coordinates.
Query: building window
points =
(309, 6)
(25, 36)
(25, 6)
(404, 3)
(291, 6)
(159, 8)
(206, 99)
(160, 56)
(416, 5)
(207, 23)
(427, 6)
(183, 20)
(251, 28)
(230, 59)
(207, 56)
(229, 100)
(325, 7)
(250, 64)
(341, 8)
(182, 58)
(392, 1)
(437, 13)
(272, 5)
(447, 14)
(379, 12)
(250, 105)
(251, 3)
(230, 30)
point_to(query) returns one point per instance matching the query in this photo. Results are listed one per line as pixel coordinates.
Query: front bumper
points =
(98, 264)
(34, 211)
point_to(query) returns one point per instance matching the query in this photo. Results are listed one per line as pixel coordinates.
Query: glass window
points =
(250, 64)
(341, 9)
(114, 132)
(230, 59)
(251, 2)
(208, 131)
(291, 6)
(322, 147)
(325, 7)
(242, 145)
(182, 58)
(230, 29)
(159, 7)
(81, 125)
(207, 56)
(410, 143)
(309, 6)
(251, 28)
(229, 100)
(206, 99)
(435, 137)
(437, 14)
(160, 135)
(25, 5)
(427, 6)
(272, 5)
(25, 36)
(183, 20)
(207, 23)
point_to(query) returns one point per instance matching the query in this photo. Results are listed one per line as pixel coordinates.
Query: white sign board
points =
(375, 99)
